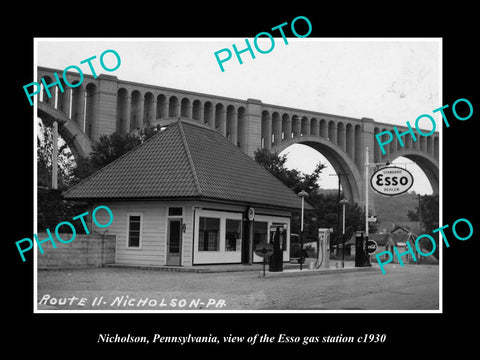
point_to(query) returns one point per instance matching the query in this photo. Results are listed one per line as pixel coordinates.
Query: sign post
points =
(265, 251)
(251, 233)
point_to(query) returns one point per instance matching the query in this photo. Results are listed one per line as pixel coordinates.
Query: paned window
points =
(175, 211)
(233, 235)
(134, 224)
(209, 234)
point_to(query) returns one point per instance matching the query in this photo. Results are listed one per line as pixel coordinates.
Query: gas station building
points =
(188, 196)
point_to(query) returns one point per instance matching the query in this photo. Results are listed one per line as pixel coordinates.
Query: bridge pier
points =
(104, 104)
(150, 108)
(366, 139)
(232, 124)
(123, 111)
(78, 106)
(276, 129)
(253, 125)
(267, 131)
(221, 119)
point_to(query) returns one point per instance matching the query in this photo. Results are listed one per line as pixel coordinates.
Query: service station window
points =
(175, 211)
(261, 233)
(134, 224)
(209, 234)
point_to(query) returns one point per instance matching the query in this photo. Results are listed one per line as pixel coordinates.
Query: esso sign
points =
(391, 181)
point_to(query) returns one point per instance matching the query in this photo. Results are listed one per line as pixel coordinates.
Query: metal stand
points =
(301, 250)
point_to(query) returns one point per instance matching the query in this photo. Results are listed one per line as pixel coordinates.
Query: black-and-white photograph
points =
(250, 181)
(280, 173)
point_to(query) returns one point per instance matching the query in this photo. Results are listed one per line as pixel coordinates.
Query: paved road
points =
(413, 287)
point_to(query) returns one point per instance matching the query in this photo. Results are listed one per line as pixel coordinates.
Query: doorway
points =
(174, 242)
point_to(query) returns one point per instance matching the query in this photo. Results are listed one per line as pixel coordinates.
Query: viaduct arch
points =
(340, 161)
(105, 104)
(427, 163)
(76, 139)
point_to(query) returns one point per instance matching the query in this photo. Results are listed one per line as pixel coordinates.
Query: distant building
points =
(184, 198)
(398, 237)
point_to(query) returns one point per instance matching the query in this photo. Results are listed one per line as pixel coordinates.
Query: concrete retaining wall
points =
(83, 251)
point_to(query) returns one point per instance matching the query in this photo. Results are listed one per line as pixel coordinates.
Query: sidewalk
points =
(335, 267)
(289, 269)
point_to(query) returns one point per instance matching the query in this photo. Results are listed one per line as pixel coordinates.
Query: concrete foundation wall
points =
(84, 251)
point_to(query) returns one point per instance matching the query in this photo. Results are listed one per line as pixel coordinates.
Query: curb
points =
(157, 268)
(286, 272)
(317, 272)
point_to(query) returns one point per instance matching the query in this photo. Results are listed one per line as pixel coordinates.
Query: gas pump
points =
(359, 253)
(275, 261)
(362, 258)
(323, 253)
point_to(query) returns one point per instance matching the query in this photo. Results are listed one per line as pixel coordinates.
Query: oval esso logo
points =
(391, 181)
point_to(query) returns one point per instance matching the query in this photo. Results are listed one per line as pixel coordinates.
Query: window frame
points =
(221, 256)
(219, 232)
(225, 235)
(271, 220)
(128, 246)
(175, 207)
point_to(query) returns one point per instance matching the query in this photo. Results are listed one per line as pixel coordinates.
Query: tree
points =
(66, 162)
(328, 213)
(294, 179)
(427, 214)
(52, 209)
(109, 148)
(326, 206)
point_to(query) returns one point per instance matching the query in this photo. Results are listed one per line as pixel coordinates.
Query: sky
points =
(388, 80)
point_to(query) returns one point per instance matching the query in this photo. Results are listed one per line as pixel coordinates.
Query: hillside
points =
(391, 211)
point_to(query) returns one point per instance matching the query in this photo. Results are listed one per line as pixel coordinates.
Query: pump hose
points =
(319, 259)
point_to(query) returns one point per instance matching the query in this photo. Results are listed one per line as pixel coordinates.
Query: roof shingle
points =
(186, 160)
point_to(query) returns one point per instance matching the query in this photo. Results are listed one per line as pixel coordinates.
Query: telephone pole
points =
(339, 175)
(55, 156)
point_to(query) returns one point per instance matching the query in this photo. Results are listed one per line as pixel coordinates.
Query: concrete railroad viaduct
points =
(106, 104)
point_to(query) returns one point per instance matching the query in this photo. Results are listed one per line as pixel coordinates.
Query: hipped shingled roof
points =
(186, 160)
